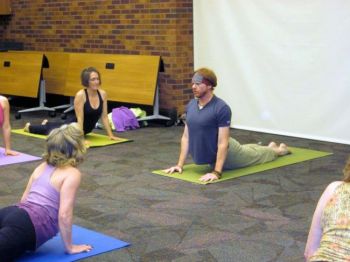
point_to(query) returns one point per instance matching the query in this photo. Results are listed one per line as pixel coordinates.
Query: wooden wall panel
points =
(20, 73)
(133, 79)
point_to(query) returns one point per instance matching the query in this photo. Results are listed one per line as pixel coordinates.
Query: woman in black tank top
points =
(90, 104)
(91, 115)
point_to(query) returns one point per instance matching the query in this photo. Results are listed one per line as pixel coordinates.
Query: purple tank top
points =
(1, 115)
(42, 206)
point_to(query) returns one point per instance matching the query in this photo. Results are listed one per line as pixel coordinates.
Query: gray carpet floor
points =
(261, 217)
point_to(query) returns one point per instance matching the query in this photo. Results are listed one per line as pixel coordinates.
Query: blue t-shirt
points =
(203, 128)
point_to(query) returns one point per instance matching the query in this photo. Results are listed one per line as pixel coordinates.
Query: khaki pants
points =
(247, 155)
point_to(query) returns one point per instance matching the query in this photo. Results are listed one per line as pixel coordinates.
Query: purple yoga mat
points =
(8, 160)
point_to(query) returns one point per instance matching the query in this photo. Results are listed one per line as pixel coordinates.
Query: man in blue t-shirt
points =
(207, 133)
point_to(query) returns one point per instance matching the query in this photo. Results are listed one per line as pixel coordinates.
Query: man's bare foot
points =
(26, 127)
(44, 122)
(280, 150)
(283, 149)
(273, 145)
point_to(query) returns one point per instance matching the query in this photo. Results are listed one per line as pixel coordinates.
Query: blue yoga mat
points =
(53, 250)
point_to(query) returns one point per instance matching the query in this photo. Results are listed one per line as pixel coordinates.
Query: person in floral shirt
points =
(329, 236)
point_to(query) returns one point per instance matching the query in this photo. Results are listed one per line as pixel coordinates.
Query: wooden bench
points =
(21, 75)
(56, 75)
(125, 78)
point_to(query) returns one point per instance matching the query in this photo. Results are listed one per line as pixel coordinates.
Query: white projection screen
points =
(282, 66)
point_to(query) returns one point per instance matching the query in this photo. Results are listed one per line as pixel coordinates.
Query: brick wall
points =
(145, 27)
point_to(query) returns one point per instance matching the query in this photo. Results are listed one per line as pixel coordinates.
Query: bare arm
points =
(184, 148)
(6, 128)
(105, 117)
(68, 191)
(79, 101)
(223, 138)
(315, 233)
(183, 154)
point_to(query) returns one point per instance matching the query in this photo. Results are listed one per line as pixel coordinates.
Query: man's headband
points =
(199, 79)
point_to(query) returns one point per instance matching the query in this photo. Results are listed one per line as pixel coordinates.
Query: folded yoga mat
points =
(8, 160)
(192, 172)
(94, 139)
(53, 250)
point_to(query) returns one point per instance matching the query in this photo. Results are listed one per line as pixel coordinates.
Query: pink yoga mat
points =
(8, 160)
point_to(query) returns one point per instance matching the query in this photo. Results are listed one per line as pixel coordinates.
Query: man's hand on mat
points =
(208, 177)
(173, 169)
(11, 153)
(80, 248)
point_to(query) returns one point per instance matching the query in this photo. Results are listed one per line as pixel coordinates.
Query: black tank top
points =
(91, 115)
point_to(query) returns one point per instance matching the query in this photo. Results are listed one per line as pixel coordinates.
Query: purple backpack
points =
(124, 119)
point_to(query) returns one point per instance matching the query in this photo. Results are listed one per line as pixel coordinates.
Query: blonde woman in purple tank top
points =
(47, 204)
(5, 125)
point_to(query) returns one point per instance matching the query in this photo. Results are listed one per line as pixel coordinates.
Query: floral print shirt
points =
(335, 221)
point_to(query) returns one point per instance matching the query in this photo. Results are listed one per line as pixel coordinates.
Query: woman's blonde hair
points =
(65, 146)
(346, 171)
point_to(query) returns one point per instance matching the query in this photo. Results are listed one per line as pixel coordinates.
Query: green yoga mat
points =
(192, 172)
(94, 139)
